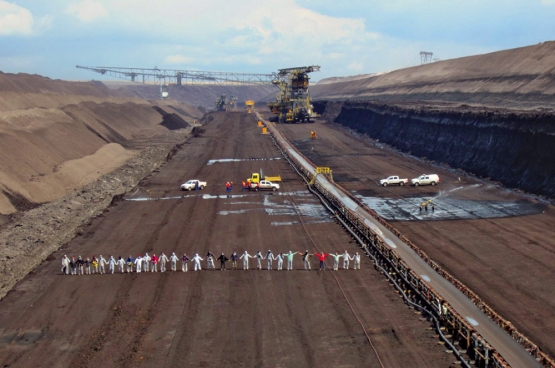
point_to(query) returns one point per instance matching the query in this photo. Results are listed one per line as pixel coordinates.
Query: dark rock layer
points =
(516, 149)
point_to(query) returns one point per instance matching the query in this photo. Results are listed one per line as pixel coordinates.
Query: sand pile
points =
(57, 136)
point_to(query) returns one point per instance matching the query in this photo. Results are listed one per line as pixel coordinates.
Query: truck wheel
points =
(384, 184)
(189, 189)
(416, 184)
(274, 189)
(402, 183)
(433, 183)
(201, 187)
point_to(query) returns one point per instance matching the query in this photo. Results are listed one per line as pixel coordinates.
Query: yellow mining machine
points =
(249, 104)
(293, 102)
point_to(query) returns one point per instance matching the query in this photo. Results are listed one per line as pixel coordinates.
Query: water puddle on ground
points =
(268, 203)
(226, 160)
(408, 209)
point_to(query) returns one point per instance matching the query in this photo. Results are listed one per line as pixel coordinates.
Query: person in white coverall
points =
(163, 259)
(196, 261)
(173, 262)
(65, 265)
(280, 261)
(245, 257)
(146, 262)
(346, 259)
(269, 257)
(101, 263)
(356, 258)
(289, 257)
(121, 264)
(336, 257)
(112, 264)
(259, 258)
(138, 263)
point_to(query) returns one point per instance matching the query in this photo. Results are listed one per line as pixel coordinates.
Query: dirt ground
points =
(514, 78)
(506, 256)
(211, 318)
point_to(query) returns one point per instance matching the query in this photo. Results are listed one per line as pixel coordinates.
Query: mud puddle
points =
(226, 160)
(408, 209)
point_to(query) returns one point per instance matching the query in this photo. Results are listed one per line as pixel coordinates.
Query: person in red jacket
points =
(322, 257)
(154, 261)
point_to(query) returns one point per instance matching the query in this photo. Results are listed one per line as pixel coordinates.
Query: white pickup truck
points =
(192, 184)
(393, 180)
(265, 185)
(425, 179)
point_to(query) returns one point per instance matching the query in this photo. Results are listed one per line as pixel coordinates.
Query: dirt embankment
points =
(34, 234)
(516, 149)
(57, 136)
(522, 77)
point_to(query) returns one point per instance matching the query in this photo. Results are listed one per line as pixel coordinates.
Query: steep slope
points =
(57, 136)
(522, 77)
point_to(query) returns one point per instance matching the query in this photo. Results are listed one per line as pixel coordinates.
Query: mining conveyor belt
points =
(493, 339)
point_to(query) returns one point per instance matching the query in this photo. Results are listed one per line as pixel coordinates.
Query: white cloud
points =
(356, 66)
(216, 35)
(87, 10)
(548, 2)
(178, 59)
(15, 19)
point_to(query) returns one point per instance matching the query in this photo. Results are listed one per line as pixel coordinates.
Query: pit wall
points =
(516, 149)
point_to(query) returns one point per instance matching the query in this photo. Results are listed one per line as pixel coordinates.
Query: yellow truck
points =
(256, 177)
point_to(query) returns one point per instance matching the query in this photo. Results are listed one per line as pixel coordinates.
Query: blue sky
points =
(344, 37)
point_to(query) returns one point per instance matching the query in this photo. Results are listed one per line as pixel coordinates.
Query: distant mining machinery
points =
(293, 103)
(224, 104)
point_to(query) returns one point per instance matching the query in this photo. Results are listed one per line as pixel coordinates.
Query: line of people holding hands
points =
(148, 263)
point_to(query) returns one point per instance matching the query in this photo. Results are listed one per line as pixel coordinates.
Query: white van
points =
(425, 179)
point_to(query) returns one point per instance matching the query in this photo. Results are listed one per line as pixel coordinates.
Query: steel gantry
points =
(183, 77)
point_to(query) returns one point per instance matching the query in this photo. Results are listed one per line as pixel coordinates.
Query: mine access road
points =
(211, 318)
